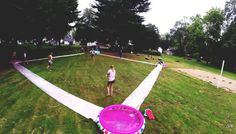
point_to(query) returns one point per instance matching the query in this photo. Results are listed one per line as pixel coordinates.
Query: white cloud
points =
(164, 13)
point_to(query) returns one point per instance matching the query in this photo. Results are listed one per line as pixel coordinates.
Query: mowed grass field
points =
(180, 62)
(180, 103)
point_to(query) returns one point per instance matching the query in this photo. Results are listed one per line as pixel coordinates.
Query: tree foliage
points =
(207, 38)
(229, 36)
(179, 36)
(196, 37)
(86, 30)
(120, 20)
(230, 12)
(213, 22)
(148, 37)
(165, 41)
(34, 20)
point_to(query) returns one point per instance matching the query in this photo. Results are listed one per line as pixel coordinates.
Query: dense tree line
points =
(86, 31)
(108, 21)
(211, 38)
(28, 20)
(117, 22)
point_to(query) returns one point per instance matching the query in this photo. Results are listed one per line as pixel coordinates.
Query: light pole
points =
(221, 72)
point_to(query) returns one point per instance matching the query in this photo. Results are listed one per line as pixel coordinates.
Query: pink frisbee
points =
(120, 119)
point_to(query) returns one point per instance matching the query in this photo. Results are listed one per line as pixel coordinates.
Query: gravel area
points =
(225, 83)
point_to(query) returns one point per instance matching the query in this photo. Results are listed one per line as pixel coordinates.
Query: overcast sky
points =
(164, 13)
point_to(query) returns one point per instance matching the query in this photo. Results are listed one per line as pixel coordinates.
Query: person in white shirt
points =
(50, 58)
(111, 75)
(92, 53)
(25, 58)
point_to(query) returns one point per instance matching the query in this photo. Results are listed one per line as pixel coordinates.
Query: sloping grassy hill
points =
(181, 104)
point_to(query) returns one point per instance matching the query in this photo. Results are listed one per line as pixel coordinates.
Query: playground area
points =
(176, 104)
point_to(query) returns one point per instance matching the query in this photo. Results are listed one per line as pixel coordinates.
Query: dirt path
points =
(226, 83)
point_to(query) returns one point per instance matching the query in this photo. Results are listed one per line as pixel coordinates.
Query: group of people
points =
(111, 73)
(14, 57)
(25, 59)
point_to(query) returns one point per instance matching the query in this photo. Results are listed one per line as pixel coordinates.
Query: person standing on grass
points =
(92, 53)
(25, 58)
(50, 59)
(13, 57)
(111, 75)
(120, 52)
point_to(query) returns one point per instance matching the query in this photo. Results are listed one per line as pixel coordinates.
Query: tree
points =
(229, 36)
(34, 20)
(61, 14)
(179, 36)
(120, 20)
(230, 12)
(88, 17)
(165, 41)
(213, 21)
(229, 46)
(148, 37)
(86, 30)
(196, 37)
(12, 20)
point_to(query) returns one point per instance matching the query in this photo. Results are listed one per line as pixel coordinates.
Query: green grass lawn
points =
(179, 62)
(33, 52)
(181, 103)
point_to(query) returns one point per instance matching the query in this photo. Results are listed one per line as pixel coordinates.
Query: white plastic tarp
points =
(84, 108)
(137, 97)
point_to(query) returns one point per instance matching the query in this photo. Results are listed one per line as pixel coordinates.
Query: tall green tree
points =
(12, 20)
(59, 14)
(148, 37)
(34, 20)
(229, 36)
(179, 36)
(196, 37)
(213, 21)
(230, 12)
(86, 30)
(229, 46)
(165, 41)
(120, 19)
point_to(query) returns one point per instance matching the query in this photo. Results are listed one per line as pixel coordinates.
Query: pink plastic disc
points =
(121, 119)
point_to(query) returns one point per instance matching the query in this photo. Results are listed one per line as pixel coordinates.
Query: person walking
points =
(111, 75)
(92, 53)
(50, 59)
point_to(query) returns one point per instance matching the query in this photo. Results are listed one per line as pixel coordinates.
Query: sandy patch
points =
(225, 83)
